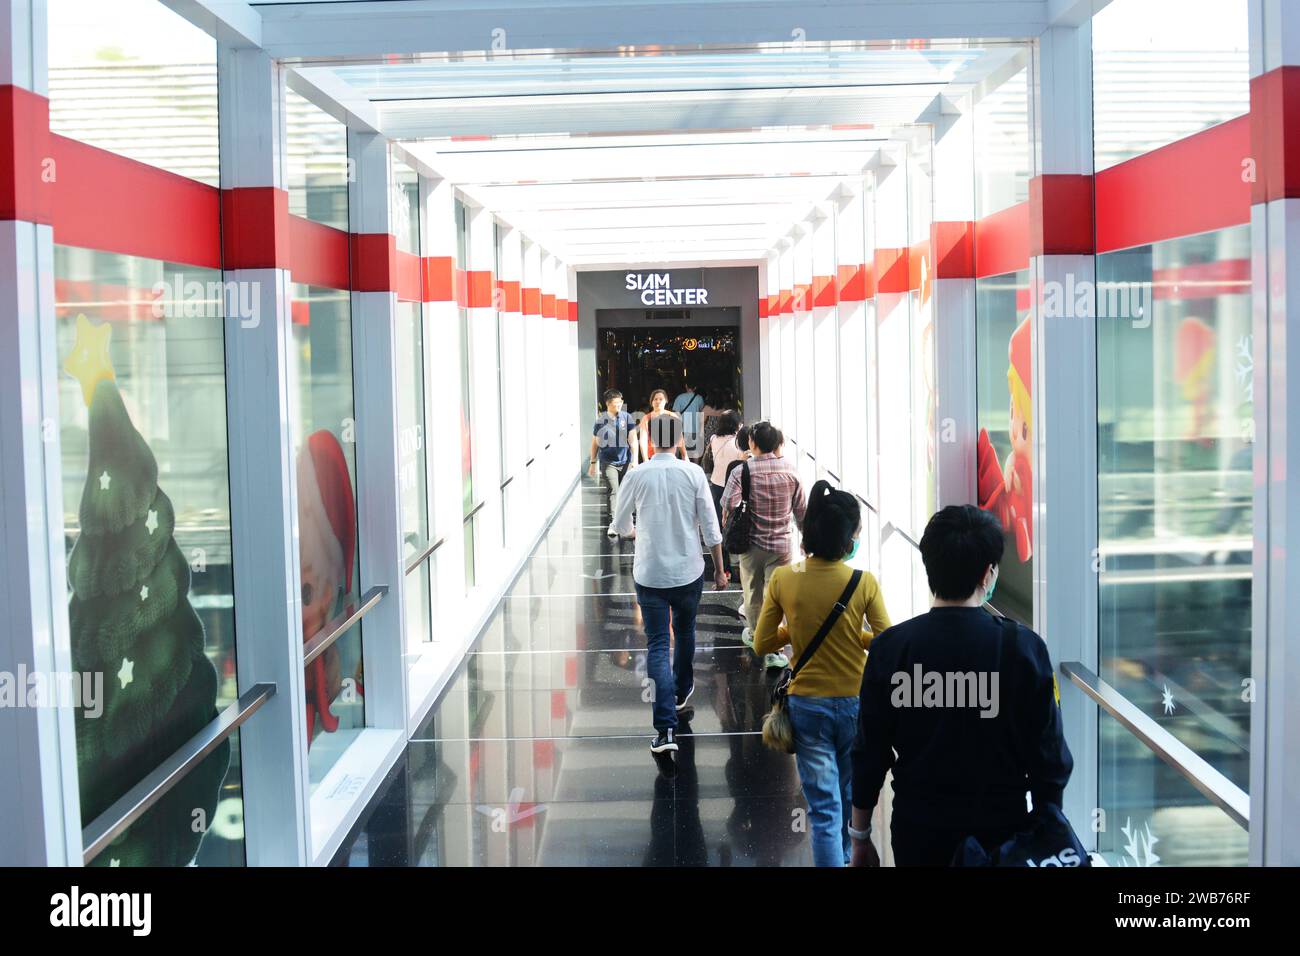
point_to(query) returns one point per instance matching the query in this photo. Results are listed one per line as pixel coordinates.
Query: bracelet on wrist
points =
(860, 835)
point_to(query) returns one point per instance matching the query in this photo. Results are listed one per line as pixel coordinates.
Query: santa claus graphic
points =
(327, 529)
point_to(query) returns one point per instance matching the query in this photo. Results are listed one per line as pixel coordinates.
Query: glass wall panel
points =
(413, 472)
(1151, 815)
(1002, 146)
(316, 163)
(136, 79)
(404, 206)
(404, 210)
(1164, 69)
(147, 516)
(498, 306)
(924, 400)
(322, 427)
(466, 411)
(1174, 456)
(1004, 456)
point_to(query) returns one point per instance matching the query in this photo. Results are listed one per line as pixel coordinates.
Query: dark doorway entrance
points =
(636, 361)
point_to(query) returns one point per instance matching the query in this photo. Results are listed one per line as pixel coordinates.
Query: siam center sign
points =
(655, 288)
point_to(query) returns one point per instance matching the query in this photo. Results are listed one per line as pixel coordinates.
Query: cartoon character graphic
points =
(1006, 490)
(327, 529)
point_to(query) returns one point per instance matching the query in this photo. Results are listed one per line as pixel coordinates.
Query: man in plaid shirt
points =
(775, 494)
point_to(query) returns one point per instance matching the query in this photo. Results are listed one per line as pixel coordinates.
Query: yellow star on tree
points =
(88, 362)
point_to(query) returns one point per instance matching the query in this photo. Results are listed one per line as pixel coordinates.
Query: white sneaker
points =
(747, 638)
(610, 532)
(740, 612)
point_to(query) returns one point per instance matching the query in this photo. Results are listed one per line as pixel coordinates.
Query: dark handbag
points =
(740, 523)
(706, 461)
(778, 733)
(1047, 839)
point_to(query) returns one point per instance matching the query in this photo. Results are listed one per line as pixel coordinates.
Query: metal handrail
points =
(870, 507)
(1217, 788)
(132, 805)
(506, 482)
(474, 510)
(420, 558)
(336, 628)
(530, 461)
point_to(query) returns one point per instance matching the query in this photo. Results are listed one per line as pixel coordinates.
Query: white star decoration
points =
(151, 523)
(104, 479)
(115, 862)
(126, 673)
(144, 592)
(1167, 699)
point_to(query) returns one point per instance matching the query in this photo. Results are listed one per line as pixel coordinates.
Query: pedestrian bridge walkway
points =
(537, 753)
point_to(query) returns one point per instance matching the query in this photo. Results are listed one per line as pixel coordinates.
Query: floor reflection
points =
(537, 753)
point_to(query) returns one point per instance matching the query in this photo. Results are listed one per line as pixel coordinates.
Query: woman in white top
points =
(725, 450)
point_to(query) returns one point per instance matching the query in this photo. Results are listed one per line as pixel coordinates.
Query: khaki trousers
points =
(756, 566)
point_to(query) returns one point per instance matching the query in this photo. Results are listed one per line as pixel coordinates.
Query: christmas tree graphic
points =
(130, 618)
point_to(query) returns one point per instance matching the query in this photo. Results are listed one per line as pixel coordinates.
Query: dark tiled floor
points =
(537, 753)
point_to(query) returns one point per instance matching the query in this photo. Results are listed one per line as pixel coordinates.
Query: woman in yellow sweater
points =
(823, 697)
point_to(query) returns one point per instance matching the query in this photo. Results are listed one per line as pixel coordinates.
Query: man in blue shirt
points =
(612, 453)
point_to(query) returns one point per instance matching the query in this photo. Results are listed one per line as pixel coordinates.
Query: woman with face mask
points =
(823, 694)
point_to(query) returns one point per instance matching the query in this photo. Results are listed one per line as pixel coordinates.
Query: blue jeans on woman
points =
(824, 728)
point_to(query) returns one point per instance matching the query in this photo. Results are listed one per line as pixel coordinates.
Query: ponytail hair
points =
(830, 522)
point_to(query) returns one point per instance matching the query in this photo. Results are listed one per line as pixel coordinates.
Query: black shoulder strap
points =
(744, 483)
(1006, 658)
(827, 624)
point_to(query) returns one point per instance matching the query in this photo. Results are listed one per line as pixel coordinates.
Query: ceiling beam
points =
(366, 30)
(233, 22)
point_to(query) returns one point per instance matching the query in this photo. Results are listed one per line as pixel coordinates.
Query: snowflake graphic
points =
(1167, 701)
(1139, 849)
(1246, 367)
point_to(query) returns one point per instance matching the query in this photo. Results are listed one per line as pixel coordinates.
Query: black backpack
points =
(740, 523)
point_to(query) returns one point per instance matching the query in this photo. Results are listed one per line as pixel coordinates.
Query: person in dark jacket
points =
(966, 733)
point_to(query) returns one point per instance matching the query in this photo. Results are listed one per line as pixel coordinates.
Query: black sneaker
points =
(664, 743)
(681, 701)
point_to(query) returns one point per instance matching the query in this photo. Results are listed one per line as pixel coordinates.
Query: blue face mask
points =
(853, 551)
(988, 595)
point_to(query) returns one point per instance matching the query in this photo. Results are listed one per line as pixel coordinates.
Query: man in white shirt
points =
(673, 508)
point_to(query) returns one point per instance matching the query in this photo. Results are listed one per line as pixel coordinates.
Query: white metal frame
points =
(1065, 414)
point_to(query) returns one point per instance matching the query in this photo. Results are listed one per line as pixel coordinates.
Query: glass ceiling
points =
(539, 74)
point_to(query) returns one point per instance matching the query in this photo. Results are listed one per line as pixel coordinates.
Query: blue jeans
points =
(824, 728)
(670, 682)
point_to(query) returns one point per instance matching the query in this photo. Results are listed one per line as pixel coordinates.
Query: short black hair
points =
(830, 522)
(611, 394)
(766, 436)
(728, 424)
(959, 544)
(742, 438)
(665, 431)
